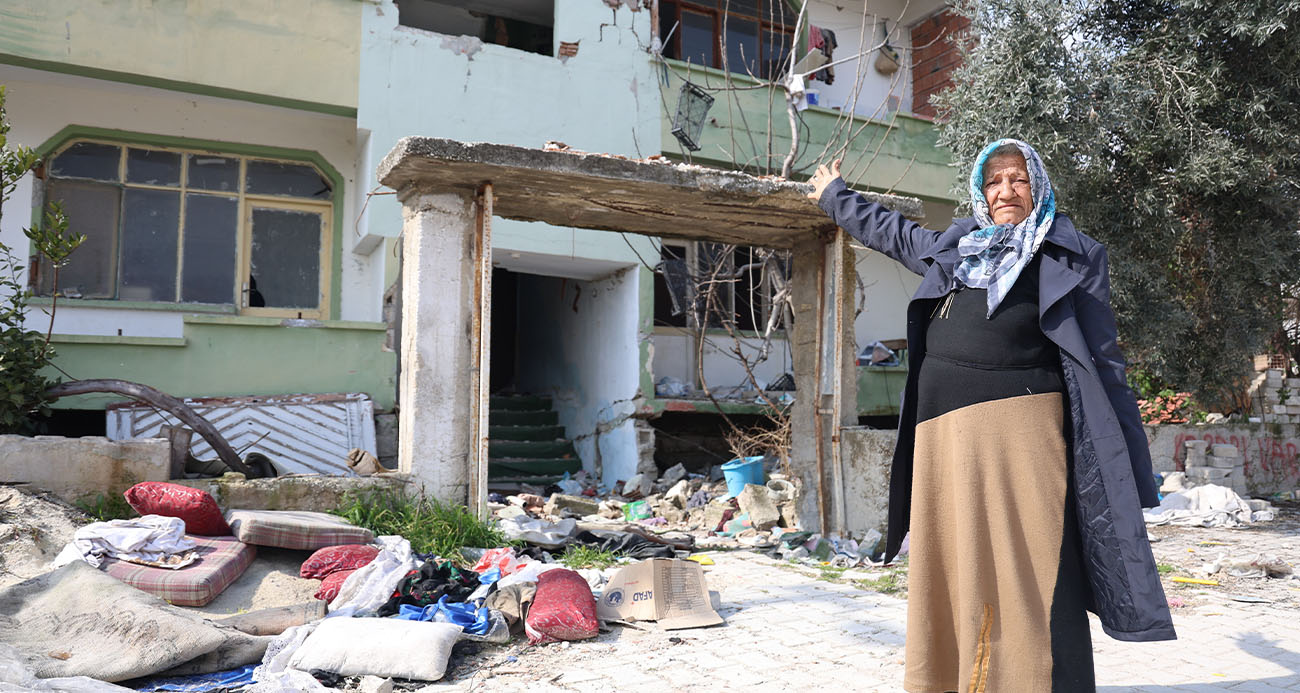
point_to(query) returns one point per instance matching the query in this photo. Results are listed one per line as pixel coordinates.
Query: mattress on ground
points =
(295, 529)
(221, 561)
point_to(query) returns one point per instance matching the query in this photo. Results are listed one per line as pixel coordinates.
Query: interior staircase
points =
(526, 442)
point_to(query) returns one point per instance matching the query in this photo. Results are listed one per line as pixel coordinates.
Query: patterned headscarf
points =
(994, 254)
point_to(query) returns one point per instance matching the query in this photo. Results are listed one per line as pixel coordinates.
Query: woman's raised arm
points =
(877, 227)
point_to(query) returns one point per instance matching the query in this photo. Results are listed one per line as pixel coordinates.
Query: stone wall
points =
(312, 492)
(1270, 452)
(1271, 456)
(82, 468)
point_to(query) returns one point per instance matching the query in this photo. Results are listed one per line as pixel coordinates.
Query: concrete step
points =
(519, 402)
(496, 432)
(539, 449)
(511, 417)
(514, 467)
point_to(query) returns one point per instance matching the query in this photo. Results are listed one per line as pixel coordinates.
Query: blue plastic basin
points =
(746, 470)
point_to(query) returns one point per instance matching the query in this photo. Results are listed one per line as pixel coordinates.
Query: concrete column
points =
(438, 385)
(822, 284)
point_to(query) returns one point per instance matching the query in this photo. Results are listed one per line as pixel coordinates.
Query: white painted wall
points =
(888, 286)
(605, 99)
(109, 323)
(41, 103)
(587, 360)
(858, 25)
(675, 356)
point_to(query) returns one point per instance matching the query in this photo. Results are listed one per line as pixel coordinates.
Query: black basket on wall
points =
(692, 107)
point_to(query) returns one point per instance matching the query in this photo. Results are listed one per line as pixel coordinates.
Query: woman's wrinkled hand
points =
(823, 178)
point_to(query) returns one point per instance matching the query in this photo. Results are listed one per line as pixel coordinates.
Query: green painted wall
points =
(299, 53)
(899, 153)
(224, 356)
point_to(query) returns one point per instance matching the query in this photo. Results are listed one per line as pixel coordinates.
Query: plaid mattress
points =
(295, 529)
(221, 561)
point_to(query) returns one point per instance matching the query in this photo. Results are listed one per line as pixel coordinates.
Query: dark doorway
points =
(505, 330)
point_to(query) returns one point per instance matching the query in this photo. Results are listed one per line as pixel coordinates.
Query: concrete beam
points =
(598, 191)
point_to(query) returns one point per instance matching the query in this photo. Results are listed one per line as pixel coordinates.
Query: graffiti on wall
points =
(1269, 461)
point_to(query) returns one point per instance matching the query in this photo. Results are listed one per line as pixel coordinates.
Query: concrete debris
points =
(374, 684)
(638, 486)
(756, 501)
(580, 506)
(674, 474)
(679, 495)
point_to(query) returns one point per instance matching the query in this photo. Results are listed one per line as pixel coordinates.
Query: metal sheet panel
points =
(302, 434)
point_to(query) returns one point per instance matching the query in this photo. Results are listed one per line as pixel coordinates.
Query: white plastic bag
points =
(372, 585)
(549, 535)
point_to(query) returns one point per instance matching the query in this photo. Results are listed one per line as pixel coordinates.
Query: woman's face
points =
(1006, 188)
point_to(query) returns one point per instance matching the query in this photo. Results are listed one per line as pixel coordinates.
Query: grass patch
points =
(429, 524)
(830, 574)
(587, 557)
(105, 507)
(892, 582)
(1165, 568)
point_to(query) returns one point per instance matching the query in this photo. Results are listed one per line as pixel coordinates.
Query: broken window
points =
(720, 286)
(526, 25)
(672, 286)
(754, 36)
(171, 226)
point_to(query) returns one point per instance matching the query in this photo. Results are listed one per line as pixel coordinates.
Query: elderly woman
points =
(1021, 464)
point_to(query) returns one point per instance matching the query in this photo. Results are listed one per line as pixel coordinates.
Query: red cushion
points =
(332, 559)
(329, 587)
(562, 610)
(195, 506)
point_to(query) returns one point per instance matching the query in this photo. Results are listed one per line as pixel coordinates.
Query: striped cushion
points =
(295, 529)
(221, 561)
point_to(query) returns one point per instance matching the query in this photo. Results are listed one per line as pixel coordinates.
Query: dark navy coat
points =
(1112, 464)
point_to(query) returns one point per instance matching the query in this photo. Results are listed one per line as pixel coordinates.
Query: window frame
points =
(329, 207)
(715, 9)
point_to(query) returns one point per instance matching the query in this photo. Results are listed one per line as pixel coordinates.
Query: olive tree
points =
(1169, 128)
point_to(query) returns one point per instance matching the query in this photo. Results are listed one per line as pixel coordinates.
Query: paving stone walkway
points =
(788, 630)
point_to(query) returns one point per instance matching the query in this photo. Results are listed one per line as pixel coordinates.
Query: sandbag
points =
(332, 559)
(195, 506)
(78, 621)
(383, 647)
(563, 609)
(330, 586)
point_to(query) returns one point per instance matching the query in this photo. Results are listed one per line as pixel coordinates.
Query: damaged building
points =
(243, 252)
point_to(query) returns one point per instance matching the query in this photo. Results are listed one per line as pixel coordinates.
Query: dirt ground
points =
(34, 527)
(1183, 551)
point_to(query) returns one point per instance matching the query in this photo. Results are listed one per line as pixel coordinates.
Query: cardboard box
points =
(670, 591)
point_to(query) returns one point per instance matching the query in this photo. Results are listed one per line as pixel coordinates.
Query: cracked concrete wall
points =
(82, 468)
(578, 341)
(604, 99)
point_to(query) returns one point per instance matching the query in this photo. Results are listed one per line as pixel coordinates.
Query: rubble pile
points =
(1276, 397)
(704, 512)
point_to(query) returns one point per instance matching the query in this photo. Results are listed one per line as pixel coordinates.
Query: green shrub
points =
(587, 557)
(429, 524)
(105, 507)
